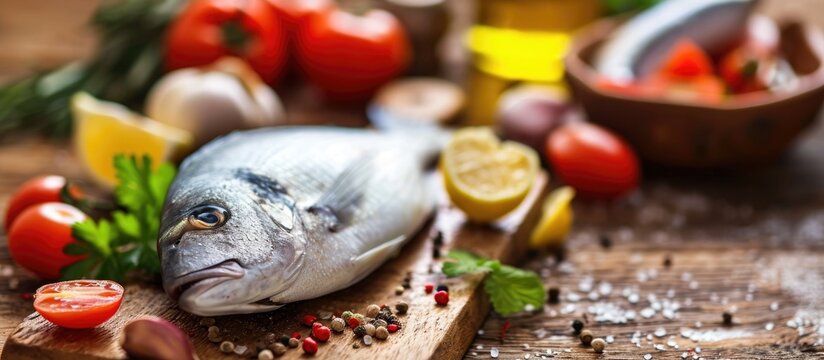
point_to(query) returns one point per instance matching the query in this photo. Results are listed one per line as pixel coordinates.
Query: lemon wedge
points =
(104, 129)
(556, 219)
(484, 177)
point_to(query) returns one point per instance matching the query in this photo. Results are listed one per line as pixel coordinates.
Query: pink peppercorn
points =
(353, 323)
(321, 333)
(392, 327)
(428, 287)
(442, 297)
(310, 346)
(308, 320)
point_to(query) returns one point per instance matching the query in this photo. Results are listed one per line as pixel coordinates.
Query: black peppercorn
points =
(554, 295)
(360, 331)
(606, 242)
(667, 261)
(727, 316)
(577, 326)
(438, 240)
(436, 252)
(284, 339)
(442, 287)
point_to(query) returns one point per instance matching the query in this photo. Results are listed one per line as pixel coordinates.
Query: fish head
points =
(229, 242)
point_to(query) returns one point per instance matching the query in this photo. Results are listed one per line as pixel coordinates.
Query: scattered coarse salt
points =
(769, 326)
(240, 349)
(660, 332)
(610, 339)
(648, 357)
(774, 306)
(494, 353)
(479, 347)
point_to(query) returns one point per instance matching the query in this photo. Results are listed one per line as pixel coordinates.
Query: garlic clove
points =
(150, 337)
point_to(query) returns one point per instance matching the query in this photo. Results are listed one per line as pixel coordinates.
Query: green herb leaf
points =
(464, 262)
(511, 290)
(127, 242)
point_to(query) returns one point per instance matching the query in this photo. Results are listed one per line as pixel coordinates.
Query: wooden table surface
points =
(748, 241)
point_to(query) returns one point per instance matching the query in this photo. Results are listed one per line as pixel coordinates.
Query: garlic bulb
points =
(214, 100)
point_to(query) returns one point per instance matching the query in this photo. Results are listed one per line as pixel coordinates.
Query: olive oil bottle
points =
(517, 41)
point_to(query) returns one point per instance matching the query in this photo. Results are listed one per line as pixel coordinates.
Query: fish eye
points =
(208, 217)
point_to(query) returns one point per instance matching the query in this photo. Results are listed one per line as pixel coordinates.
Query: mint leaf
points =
(511, 289)
(464, 262)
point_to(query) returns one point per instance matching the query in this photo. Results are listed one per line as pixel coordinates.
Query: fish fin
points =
(339, 202)
(366, 262)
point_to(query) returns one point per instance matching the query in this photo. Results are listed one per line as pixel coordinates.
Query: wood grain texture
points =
(760, 225)
(429, 331)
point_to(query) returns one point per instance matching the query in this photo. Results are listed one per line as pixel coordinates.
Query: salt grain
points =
(769, 326)
(610, 339)
(774, 306)
(240, 349)
(648, 357)
(647, 313)
(660, 332)
(494, 353)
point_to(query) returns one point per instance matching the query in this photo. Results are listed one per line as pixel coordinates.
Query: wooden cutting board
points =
(429, 331)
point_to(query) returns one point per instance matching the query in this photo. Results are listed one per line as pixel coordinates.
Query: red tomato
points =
(744, 70)
(593, 160)
(208, 30)
(349, 56)
(293, 13)
(686, 60)
(36, 191)
(38, 236)
(78, 304)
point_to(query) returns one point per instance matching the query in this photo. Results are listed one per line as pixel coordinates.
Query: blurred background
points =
(688, 130)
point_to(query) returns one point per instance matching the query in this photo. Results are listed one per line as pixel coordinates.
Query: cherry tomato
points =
(38, 236)
(36, 191)
(78, 304)
(744, 71)
(593, 160)
(686, 60)
(208, 30)
(349, 56)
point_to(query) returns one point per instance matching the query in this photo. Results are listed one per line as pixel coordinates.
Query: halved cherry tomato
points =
(38, 236)
(79, 304)
(36, 191)
(349, 56)
(593, 160)
(686, 60)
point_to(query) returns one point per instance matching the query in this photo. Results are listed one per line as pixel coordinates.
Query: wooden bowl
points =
(744, 129)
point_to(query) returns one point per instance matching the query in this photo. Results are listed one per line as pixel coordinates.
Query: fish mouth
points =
(205, 279)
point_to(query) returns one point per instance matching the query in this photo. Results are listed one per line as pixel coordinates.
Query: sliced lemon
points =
(104, 129)
(484, 177)
(556, 219)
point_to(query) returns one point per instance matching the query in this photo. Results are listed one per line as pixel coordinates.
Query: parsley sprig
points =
(127, 241)
(510, 289)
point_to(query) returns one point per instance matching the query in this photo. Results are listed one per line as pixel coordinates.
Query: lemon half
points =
(556, 219)
(484, 177)
(104, 129)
